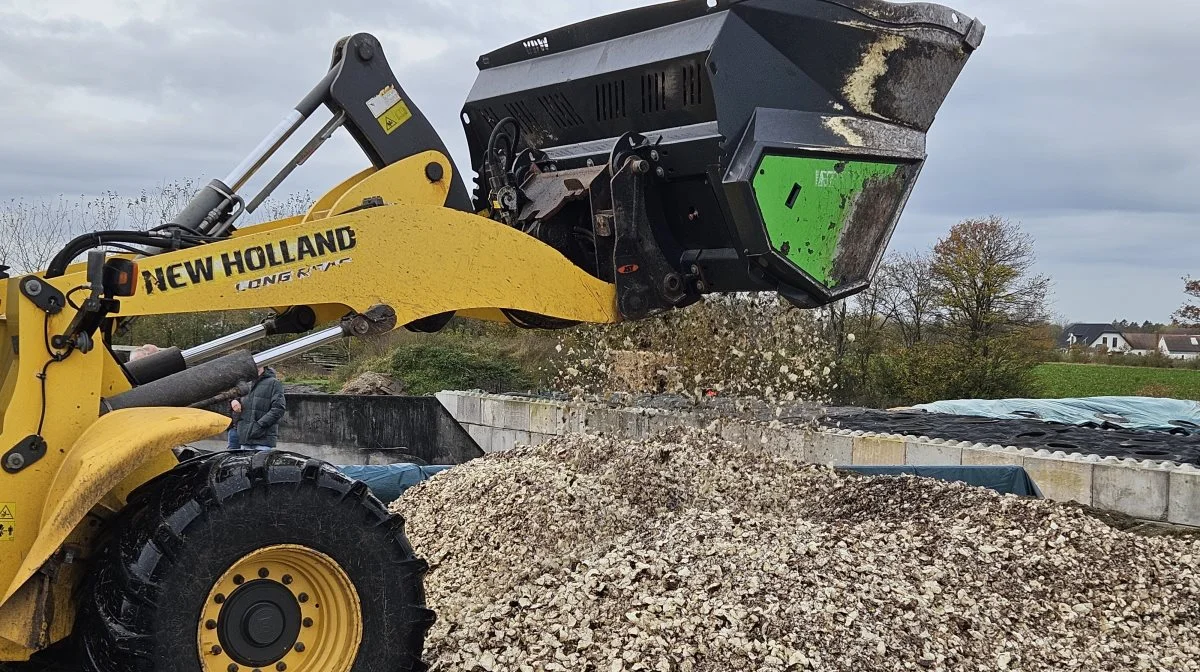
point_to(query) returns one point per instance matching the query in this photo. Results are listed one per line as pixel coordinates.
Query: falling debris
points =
(746, 346)
(689, 553)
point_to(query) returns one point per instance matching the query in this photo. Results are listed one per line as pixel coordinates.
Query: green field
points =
(1061, 381)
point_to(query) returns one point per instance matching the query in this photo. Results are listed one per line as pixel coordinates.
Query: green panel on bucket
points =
(805, 203)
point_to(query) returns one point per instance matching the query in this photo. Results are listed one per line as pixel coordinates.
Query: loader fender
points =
(115, 447)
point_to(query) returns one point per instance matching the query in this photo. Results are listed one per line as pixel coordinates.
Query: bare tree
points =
(34, 230)
(1189, 315)
(910, 294)
(275, 209)
(157, 206)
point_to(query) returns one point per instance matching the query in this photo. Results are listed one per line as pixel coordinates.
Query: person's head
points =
(262, 370)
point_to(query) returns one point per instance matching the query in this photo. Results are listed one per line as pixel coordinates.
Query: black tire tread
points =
(121, 602)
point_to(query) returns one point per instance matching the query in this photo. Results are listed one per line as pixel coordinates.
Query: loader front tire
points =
(254, 561)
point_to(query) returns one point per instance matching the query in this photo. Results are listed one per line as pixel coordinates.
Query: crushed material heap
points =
(691, 553)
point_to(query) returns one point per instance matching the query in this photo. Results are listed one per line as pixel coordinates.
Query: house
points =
(1180, 347)
(1094, 336)
(1142, 344)
(1110, 338)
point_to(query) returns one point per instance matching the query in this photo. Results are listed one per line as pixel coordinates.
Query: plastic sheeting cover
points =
(390, 481)
(1006, 480)
(1159, 415)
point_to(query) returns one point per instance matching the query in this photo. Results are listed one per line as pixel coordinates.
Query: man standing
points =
(260, 412)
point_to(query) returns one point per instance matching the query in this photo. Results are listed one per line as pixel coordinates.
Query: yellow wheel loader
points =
(626, 166)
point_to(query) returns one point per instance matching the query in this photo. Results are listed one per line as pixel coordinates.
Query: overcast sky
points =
(1077, 118)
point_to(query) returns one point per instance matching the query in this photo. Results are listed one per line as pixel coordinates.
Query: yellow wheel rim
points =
(283, 608)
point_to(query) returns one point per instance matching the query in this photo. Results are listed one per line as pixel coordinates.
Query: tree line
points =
(964, 319)
(32, 231)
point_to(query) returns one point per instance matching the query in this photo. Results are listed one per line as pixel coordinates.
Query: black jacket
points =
(262, 409)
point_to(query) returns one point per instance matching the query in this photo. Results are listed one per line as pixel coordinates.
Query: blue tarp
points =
(391, 481)
(1010, 480)
(388, 482)
(1159, 415)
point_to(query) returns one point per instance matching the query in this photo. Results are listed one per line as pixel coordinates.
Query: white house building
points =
(1093, 336)
(1180, 347)
(1112, 339)
(1141, 344)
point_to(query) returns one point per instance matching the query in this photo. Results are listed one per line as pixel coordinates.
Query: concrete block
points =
(470, 408)
(482, 435)
(1184, 502)
(1141, 493)
(694, 420)
(576, 419)
(602, 420)
(634, 423)
(878, 451)
(925, 454)
(979, 456)
(798, 440)
(1062, 480)
(507, 439)
(450, 402)
(506, 413)
(734, 431)
(658, 422)
(546, 418)
(826, 448)
(777, 441)
(489, 411)
(536, 439)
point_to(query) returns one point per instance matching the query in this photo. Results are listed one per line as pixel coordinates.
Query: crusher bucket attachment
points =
(707, 146)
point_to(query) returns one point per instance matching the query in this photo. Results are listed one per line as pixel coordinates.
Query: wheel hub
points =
(285, 608)
(264, 624)
(259, 623)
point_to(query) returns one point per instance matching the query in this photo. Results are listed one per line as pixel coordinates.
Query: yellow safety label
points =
(389, 109)
(8, 522)
(395, 117)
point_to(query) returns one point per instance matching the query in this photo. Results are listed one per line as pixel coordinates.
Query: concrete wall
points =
(399, 427)
(347, 430)
(1154, 491)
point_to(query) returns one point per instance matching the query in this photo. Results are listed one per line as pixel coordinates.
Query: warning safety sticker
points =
(389, 109)
(8, 522)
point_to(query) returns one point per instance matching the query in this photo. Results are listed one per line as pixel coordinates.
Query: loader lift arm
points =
(364, 97)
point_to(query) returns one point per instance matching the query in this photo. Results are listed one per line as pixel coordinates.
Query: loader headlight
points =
(120, 277)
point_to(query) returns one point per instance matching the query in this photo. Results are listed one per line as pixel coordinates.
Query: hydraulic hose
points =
(89, 241)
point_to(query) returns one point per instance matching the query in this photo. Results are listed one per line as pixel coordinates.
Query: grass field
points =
(1092, 380)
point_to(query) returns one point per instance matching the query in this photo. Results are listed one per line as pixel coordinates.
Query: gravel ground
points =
(691, 553)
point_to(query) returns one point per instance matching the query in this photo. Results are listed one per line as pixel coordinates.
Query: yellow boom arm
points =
(410, 254)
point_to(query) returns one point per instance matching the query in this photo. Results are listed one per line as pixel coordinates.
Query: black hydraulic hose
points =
(512, 140)
(89, 241)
